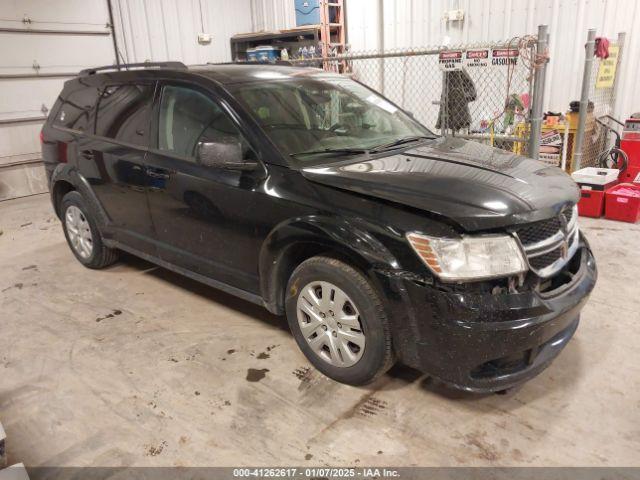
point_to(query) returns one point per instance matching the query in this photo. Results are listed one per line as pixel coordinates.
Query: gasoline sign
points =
(450, 60)
(476, 58)
(504, 56)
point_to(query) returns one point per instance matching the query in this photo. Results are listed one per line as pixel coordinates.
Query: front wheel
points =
(338, 320)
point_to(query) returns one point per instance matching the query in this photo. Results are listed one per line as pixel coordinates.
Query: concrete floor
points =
(135, 365)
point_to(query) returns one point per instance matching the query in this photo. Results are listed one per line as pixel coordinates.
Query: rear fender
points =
(68, 173)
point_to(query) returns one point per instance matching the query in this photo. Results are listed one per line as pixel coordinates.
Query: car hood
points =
(477, 186)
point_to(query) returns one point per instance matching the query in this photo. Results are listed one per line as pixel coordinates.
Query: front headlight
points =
(469, 257)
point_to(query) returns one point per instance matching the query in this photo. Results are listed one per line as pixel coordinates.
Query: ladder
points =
(332, 34)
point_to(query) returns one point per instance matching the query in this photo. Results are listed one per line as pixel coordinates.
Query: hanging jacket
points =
(457, 92)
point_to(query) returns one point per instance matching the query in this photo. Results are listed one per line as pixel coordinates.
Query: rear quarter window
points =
(124, 113)
(76, 108)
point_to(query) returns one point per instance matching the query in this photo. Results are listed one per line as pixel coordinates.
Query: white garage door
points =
(44, 43)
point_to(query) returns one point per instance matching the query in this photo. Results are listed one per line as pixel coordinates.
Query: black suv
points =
(313, 195)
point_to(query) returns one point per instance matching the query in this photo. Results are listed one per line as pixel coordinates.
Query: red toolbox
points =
(622, 203)
(593, 183)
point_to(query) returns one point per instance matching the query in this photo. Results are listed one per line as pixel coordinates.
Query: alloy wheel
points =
(79, 231)
(330, 323)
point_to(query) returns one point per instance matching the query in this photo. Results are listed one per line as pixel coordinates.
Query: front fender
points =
(316, 234)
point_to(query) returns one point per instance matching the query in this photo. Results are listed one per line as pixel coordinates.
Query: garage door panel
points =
(22, 180)
(58, 52)
(19, 140)
(25, 97)
(76, 14)
(54, 53)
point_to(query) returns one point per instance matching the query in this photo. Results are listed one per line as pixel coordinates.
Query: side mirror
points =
(226, 155)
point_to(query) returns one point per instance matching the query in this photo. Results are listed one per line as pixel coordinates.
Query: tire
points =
(339, 358)
(98, 255)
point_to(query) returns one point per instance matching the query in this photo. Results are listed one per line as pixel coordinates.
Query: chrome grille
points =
(538, 231)
(549, 244)
(546, 259)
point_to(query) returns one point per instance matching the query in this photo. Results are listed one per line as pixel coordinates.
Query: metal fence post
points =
(584, 98)
(381, 47)
(538, 94)
(616, 82)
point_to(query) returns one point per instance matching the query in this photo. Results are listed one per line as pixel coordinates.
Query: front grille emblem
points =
(564, 247)
(548, 244)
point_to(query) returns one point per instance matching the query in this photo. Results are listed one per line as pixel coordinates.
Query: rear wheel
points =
(338, 321)
(82, 233)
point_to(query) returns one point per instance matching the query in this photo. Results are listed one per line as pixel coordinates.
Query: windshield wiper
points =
(401, 141)
(332, 151)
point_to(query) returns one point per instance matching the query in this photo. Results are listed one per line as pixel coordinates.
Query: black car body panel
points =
(477, 186)
(245, 231)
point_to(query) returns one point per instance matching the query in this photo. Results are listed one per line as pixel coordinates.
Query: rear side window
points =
(124, 113)
(76, 108)
(188, 117)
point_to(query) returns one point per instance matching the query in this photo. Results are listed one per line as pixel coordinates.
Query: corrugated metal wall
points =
(28, 54)
(167, 30)
(159, 30)
(273, 14)
(418, 23)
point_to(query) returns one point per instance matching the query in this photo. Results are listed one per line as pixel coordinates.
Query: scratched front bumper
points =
(484, 342)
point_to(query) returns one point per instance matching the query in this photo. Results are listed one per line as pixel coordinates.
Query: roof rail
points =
(285, 63)
(129, 66)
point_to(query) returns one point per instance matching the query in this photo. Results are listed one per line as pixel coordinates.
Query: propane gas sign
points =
(450, 60)
(476, 58)
(505, 56)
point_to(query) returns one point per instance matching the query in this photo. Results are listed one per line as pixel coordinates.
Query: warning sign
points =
(450, 60)
(504, 56)
(607, 69)
(551, 147)
(476, 58)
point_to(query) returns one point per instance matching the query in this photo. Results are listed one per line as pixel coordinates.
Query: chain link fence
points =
(598, 118)
(482, 92)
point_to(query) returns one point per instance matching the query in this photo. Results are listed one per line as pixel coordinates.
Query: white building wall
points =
(160, 30)
(273, 14)
(418, 23)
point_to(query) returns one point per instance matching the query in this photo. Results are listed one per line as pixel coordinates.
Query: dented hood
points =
(477, 186)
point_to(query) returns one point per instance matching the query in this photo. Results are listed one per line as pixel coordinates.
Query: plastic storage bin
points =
(263, 54)
(593, 183)
(591, 203)
(622, 203)
(595, 176)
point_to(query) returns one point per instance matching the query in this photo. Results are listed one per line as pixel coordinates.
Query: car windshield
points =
(309, 117)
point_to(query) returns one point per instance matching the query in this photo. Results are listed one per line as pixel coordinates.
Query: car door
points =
(202, 213)
(112, 161)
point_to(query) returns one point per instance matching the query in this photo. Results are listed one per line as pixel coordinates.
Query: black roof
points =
(231, 73)
(223, 73)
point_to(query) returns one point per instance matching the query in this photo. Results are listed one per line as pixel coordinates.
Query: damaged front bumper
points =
(485, 342)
